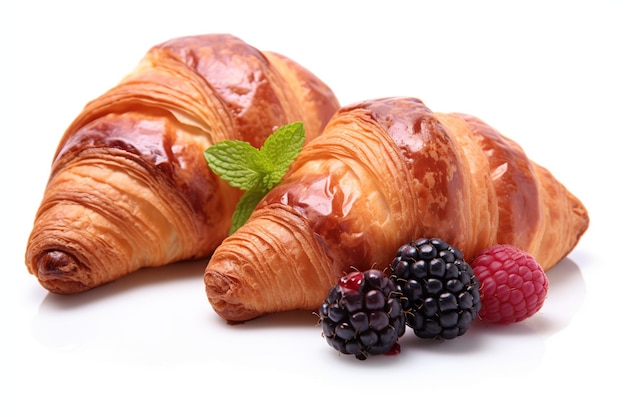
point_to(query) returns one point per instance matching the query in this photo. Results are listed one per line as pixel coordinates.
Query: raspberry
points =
(513, 286)
(440, 292)
(362, 314)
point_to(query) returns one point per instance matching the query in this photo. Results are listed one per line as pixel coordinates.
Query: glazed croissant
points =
(129, 186)
(383, 173)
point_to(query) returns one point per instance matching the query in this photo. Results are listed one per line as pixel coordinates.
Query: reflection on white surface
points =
(161, 317)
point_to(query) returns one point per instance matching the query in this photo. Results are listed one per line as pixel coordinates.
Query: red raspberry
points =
(513, 286)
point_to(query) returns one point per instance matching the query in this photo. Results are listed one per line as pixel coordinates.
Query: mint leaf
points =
(255, 170)
(245, 207)
(238, 163)
(282, 147)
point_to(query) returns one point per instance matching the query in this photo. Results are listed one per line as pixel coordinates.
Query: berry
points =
(440, 294)
(362, 314)
(513, 286)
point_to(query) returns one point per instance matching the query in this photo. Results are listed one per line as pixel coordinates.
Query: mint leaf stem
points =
(255, 170)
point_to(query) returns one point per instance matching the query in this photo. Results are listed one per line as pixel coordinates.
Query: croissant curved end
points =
(219, 289)
(56, 270)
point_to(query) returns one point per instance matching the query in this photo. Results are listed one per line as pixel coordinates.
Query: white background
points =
(548, 74)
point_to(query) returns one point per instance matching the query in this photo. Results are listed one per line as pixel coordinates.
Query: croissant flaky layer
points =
(383, 173)
(129, 186)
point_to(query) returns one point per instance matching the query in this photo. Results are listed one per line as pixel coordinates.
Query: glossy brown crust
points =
(129, 186)
(385, 172)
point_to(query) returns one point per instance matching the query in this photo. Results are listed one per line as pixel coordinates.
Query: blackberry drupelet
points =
(362, 314)
(440, 294)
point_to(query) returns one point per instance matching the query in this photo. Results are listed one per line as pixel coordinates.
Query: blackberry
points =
(362, 314)
(440, 293)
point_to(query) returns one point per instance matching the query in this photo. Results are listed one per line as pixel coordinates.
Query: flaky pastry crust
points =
(383, 173)
(129, 186)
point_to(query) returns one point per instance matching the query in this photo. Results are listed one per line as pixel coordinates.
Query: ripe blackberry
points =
(440, 294)
(362, 314)
(513, 286)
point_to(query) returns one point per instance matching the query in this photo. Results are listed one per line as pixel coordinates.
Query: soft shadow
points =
(373, 362)
(566, 296)
(471, 342)
(287, 319)
(130, 311)
(134, 282)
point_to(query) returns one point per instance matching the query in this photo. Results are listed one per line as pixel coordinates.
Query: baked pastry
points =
(383, 173)
(129, 186)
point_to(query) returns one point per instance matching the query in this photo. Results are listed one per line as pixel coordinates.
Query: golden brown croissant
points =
(129, 186)
(383, 173)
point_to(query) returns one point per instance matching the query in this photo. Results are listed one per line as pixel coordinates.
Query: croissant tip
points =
(57, 272)
(219, 290)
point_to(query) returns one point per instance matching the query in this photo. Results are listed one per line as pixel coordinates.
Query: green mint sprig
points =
(254, 170)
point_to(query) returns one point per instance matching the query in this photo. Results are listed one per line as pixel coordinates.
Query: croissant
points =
(129, 186)
(385, 172)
